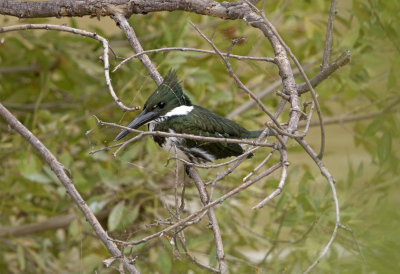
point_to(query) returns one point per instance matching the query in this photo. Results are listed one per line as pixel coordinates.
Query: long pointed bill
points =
(141, 119)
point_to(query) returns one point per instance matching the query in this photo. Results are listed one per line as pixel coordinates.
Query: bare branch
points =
(137, 47)
(71, 8)
(279, 189)
(60, 171)
(266, 159)
(237, 80)
(211, 216)
(187, 136)
(239, 57)
(120, 10)
(192, 258)
(270, 89)
(328, 38)
(208, 206)
(343, 60)
(331, 182)
(313, 94)
(347, 118)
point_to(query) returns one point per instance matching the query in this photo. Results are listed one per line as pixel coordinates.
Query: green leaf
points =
(115, 216)
(384, 147)
(38, 177)
(164, 262)
(21, 257)
(373, 127)
(97, 206)
(130, 217)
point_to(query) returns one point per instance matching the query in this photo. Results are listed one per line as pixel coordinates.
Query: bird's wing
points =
(203, 122)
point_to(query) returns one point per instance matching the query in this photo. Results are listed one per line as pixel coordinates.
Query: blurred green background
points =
(54, 83)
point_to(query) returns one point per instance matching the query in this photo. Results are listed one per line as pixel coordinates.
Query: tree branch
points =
(341, 61)
(328, 38)
(96, 8)
(61, 172)
(208, 206)
(223, 268)
(239, 57)
(137, 47)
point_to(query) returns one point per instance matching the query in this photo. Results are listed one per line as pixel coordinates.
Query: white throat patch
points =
(178, 111)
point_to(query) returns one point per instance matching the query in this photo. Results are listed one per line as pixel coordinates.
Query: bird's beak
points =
(143, 118)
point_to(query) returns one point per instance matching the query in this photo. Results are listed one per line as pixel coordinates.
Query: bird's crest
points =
(170, 88)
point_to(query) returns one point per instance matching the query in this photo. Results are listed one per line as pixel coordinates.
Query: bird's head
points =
(167, 97)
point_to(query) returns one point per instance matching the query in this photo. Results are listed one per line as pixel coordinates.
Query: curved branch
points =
(83, 33)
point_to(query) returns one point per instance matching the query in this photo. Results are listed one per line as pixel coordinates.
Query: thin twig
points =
(239, 57)
(193, 258)
(205, 208)
(270, 89)
(188, 136)
(223, 268)
(233, 75)
(124, 144)
(331, 182)
(328, 38)
(275, 240)
(282, 182)
(244, 154)
(266, 159)
(346, 118)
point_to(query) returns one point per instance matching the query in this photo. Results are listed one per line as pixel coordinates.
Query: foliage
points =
(64, 87)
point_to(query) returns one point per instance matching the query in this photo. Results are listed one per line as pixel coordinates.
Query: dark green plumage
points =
(168, 109)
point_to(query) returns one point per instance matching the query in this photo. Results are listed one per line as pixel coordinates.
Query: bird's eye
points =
(161, 104)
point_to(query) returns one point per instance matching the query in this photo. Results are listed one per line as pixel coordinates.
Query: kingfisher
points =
(168, 109)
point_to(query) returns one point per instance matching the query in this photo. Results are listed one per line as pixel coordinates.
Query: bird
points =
(170, 110)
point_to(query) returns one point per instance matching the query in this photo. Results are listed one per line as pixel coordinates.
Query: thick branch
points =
(72, 8)
(137, 47)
